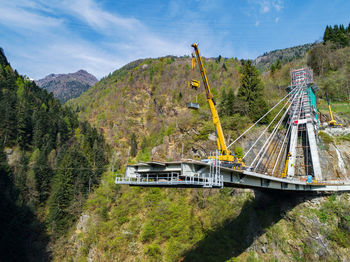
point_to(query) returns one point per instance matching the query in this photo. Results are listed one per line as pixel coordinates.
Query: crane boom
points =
(225, 154)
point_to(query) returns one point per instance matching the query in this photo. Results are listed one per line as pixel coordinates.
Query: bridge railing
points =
(170, 179)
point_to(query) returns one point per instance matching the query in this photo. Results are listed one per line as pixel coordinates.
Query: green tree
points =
(223, 102)
(230, 103)
(251, 92)
(20, 176)
(43, 175)
(70, 185)
(327, 36)
(275, 66)
(8, 124)
(339, 35)
(272, 68)
(239, 152)
(3, 60)
(318, 59)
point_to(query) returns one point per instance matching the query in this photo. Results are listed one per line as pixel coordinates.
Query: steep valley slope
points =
(144, 104)
(49, 163)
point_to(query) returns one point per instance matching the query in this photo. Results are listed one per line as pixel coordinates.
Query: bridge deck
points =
(191, 173)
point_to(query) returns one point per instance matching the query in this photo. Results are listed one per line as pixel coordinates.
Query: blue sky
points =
(42, 37)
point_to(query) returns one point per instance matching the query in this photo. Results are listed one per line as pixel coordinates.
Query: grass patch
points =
(325, 137)
(337, 107)
(343, 138)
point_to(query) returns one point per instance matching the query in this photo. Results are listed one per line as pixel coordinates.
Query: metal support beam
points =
(293, 151)
(314, 152)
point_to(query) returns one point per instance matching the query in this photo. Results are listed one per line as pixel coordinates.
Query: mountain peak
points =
(82, 71)
(67, 86)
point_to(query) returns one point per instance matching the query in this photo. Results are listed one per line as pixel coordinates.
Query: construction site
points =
(285, 156)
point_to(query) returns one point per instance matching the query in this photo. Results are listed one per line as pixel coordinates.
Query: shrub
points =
(325, 137)
(153, 251)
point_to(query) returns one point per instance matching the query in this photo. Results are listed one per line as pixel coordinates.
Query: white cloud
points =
(91, 13)
(265, 6)
(51, 43)
(277, 4)
(55, 36)
(18, 17)
(277, 19)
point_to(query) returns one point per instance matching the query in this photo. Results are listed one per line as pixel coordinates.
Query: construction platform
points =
(198, 174)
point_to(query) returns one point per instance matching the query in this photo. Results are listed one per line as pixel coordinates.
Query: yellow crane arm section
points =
(332, 122)
(225, 153)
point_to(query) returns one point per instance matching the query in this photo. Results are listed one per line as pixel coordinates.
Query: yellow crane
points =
(225, 154)
(333, 122)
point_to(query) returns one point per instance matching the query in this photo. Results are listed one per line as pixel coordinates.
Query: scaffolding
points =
(304, 123)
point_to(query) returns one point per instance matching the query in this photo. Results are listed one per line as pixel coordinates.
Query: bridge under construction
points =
(286, 158)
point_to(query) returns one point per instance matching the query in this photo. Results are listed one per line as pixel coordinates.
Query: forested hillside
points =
(50, 161)
(151, 96)
(60, 200)
(142, 110)
(281, 56)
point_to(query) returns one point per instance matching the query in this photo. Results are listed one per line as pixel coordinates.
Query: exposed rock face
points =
(67, 86)
(335, 161)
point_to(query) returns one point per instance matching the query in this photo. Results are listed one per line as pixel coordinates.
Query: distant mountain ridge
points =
(286, 55)
(67, 86)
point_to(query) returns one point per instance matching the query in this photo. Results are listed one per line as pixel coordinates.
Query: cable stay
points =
(272, 135)
(268, 126)
(269, 140)
(259, 120)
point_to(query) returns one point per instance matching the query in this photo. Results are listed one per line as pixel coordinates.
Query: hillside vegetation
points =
(58, 193)
(151, 95)
(265, 61)
(49, 163)
(142, 110)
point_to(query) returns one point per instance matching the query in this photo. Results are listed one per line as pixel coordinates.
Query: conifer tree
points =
(224, 66)
(223, 103)
(43, 175)
(250, 91)
(71, 181)
(230, 103)
(326, 34)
